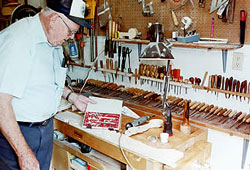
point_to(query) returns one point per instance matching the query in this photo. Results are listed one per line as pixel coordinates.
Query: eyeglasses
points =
(72, 32)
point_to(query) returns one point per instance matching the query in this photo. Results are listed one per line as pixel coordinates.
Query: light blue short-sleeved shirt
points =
(30, 70)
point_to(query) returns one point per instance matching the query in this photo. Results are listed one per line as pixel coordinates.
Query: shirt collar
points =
(38, 28)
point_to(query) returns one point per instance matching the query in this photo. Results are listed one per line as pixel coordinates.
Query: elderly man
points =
(32, 83)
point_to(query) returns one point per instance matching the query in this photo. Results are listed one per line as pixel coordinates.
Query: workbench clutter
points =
(128, 149)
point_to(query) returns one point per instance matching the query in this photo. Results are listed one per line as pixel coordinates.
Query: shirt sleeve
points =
(15, 65)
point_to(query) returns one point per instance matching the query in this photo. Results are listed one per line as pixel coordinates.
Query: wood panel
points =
(131, 13)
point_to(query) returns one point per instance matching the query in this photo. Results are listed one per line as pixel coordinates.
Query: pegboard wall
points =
(130, 13)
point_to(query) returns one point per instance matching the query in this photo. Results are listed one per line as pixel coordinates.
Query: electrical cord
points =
(123, 154)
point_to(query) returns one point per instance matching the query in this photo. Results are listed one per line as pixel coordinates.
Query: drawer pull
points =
(78, 134)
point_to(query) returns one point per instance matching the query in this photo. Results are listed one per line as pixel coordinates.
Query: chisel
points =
(206, 111)
(239, 119)
(244, 120)
(214, 113)
(225, 115)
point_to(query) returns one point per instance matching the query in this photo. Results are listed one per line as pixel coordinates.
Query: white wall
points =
(226, 149)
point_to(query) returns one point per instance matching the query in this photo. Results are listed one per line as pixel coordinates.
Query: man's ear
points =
(53, 17)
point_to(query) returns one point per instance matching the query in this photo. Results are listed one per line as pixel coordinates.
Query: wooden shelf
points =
(207, 46)
(187, 45)
(133, 41)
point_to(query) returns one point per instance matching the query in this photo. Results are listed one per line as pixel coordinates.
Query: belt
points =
(32, 124)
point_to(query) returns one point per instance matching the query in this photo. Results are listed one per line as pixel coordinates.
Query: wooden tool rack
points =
(158, 111)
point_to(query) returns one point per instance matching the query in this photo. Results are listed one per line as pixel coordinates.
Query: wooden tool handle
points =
(111, 64)
(230, 84)
(238, 86)
(176, 23)
(218, 110)
(116, 65)
(213, 109)
(227, 113)
(101, 63)
(212, 81)
(241, 117)
(215, 81)
(209, 81)
(136, 76)
(204, 78)
(209, 108)
(218, 82)
(222, 112)
(234, 85)
(222, 84)
(107, 64)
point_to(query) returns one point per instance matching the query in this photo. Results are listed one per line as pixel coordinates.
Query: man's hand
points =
(80, 101)
(28, 161)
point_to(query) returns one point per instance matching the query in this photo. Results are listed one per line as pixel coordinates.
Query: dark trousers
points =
(39, 139)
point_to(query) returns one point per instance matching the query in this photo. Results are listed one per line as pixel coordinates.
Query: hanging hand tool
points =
(176, 23)
(202, 3)
(104, 72)
(243, 87)
(147, 9)
(223, 83)
(119, 56)
(107, 67)
(112, 68)
(231, 9)
(129, 68)
(136, 76)
(230, 84)
(242, 26)
(237, 88)
(234, 86)
(185, 121)
(124, 53)
(204, 78)
(106, 47)
(116, 69)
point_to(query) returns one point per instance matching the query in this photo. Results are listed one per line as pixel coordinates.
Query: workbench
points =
(142, 153)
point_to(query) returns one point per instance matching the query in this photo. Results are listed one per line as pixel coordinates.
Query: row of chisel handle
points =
(210, 112)
(229, 84)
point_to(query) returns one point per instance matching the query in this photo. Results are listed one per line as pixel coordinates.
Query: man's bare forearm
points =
(9, 126)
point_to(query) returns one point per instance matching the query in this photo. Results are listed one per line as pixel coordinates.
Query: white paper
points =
(105, 105)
